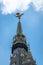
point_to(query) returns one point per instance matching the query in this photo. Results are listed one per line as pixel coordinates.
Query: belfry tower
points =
(21, 54)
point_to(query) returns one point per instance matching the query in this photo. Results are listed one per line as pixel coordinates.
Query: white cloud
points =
(10, 6)
(38, 4)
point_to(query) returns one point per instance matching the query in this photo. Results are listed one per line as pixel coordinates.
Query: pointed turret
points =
(19, 39)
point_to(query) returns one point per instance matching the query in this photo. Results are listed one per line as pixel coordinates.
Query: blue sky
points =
(32, 26)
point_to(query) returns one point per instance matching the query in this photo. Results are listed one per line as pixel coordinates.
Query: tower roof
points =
(19, 40)
(21, 54)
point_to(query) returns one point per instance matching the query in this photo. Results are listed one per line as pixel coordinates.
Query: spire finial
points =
(19, 28)
(19, 15)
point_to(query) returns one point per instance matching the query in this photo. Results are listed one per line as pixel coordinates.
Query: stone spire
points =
(19, 39)
(21, 54)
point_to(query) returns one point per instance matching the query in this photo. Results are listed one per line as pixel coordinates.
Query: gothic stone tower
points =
(21, 54)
